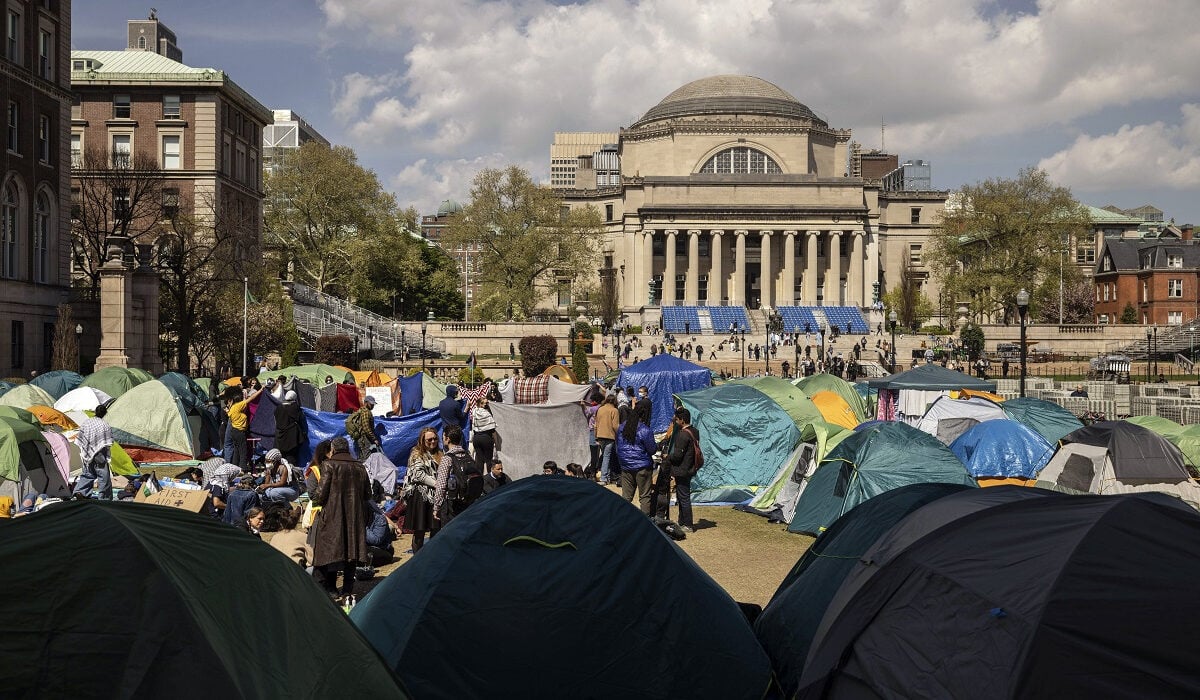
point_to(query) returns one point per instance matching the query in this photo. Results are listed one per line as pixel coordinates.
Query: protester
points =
(680, 464)
(1080, 391)
(607, 422)
(450, 409)
(239, 501)
(550, 468)
(495, 478)
(290, 433)
(94, 441)
(254, 520)
(419, 484)
(279, 484)
(360, 426)
(239, 424)
(635, 448)
(575, 470)
(292, 541)
(483, 433)
(449, 500)
(339, 542)
(219, 485)
(312, 475)
(379, 536)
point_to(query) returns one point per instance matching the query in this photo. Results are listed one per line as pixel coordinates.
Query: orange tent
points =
(48, 416)
(367, 378)
(835, 410)
(970, 393)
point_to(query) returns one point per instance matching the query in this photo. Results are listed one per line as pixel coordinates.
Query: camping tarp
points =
(948, 417)
(58, 382)
(790, 398)
(115, 381)
(665, 376)
(25, 396)
(835, 410)
(398, 438)
(869, 463)
(85, 398)
(149, 415)
(744, 435)
(533, 434)
(787, 625)
(839, 386)
(48, 416)
(151, 592)
(1048, 419)
(929, 378)
(1002, 449)
(411, 395)
(314, 374)
(550, 559)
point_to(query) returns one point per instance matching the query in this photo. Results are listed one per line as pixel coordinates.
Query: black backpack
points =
(465, 485)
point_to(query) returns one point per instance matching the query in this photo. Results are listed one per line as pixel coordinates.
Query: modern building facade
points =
(288, 131)
(34, 181)
(569, 146)
(733, 192)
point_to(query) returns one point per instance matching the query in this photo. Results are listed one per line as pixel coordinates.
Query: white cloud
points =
(357, 88)
(1156, 155)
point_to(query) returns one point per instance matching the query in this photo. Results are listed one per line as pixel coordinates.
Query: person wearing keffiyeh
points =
(94, 441)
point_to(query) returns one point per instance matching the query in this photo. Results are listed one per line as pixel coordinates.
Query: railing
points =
(326, 314)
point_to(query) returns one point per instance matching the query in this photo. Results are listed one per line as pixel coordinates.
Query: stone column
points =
(788, 297)
(766, 271)
(716, 273)
(854, 275)
(737, 295)
(145, 290)
(116, 305)
(668, 293)
(833, 278)
(809, 281)
(872, 271)
(647, 258)
(691, 292)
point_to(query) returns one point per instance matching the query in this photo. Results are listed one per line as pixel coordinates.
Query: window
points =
(43, 139)
(120, 199)
(170, 153)
(1174, 288)
(1174, 318)
(564, 292)
(14, 127)
(240, 164)
(1085, 255)
(1145, 291)
(41, 238)
(121, 150)
(9, 226)
(122, 108)
(608, 212)
(226, 157)
(1175, 260)
(914, 253)
(45, 52)
(18, 344)
(1105, 292)
(47, 344)
(76, 150)
(12, 37)
(78, 65)
(170, 106)
(914, 215)
(142, 43)
(170, 202)
(76, 206)
(740, 160)
(1106, 264)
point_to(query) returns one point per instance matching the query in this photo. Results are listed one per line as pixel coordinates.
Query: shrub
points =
(537, 353)
(334, 350)
(935, 330)
(579, 364)
(466, 378)
(972, 340)
(634, 330)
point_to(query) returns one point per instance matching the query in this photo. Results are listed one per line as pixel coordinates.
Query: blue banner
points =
(397, 435)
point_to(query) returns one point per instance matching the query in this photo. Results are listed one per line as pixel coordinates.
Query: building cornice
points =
(14, 72)
(756, 125)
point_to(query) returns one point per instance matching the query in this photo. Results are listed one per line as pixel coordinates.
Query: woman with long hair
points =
(483, 434)
(419, 484)
(636, 448)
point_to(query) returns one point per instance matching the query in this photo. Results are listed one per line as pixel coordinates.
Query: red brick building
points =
(1159, 278)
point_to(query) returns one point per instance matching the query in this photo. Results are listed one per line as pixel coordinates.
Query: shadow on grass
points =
(704, 524)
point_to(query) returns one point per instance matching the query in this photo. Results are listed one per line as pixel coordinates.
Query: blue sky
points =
(1105, 96)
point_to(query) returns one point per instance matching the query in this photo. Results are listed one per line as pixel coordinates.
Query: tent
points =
(5, 386)
(52, 417)
(789, 397)
(1002, 449)
(115, 381)
(948, 417)
(26, 395)
(1187, 439)
(66, 454)
(931, 377)
(839, 386)
(166, 603)
(432, 391)
(314, 374)
(27, 464)
(534, 433)
(744, 435)
(152, 424)
(869, 463)
(58, 382)
(1120, 457)
(834, 409)
(777, 500)
(561, 373)
(617, 611)
(85, 398)
(366, 378)
(787, 625)
(20, 414)
(664, 376)
(1047, 418)
(1013, 592)
(195, 403)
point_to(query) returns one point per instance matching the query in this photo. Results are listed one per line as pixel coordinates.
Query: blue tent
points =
(664, 376)
(411, 394)
(398, 437)
(1002, 448)
(554, 587)
(745, 437)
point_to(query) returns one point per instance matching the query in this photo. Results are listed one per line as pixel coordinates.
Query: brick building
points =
(1159, 278)
(34, 181)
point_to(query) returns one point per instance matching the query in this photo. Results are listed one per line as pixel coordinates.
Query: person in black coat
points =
(495, 478)
(290, 432)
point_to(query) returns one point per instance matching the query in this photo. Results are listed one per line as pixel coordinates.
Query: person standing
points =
(290, 433)
(635, 449)
(95, 444)
(239, 424)
(340, 542)
(450, 409)
(360, 426)
(419, 484)
(445, 507)
(484, 438)
(681, 466)
(607, 421)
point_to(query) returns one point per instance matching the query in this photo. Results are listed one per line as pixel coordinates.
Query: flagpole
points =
(245, 322)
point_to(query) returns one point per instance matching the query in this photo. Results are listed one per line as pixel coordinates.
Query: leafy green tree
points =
(579, 363)
(395, 269)
(1129, 314)
(972, 340)
(537, 353)
(1001, 235)
(1079, 300)
(526, 239)
(911, 306)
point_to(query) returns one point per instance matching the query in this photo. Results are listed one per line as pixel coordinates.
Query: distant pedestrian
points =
(94, 441)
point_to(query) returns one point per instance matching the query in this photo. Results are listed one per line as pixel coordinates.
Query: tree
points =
(117, 194)
(1001, 235)
(319, 202)
(393, 269)
(911, 306)
(579, 363)
(972, 340)
(334, 350)
(66, 342)
(1079, 300)
(608, 303)
(527, 240)
(1129, 314)
(537, 353)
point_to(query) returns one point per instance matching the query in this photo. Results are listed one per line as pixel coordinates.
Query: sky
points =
(1103, 95)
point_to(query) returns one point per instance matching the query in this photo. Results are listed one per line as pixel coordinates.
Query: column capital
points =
(717, 232)
(740, 232)
(694, 232)
(766, 233)
(671, 231)
(812, 234)
(857, 232)
(836, 232)
(790, 233)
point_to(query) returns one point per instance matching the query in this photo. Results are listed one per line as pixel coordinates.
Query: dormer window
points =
(740, 160)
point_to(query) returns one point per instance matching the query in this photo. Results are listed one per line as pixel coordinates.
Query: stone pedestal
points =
(116, 305)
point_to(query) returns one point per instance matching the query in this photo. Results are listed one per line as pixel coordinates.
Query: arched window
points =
(41, 238)
(141, 42)
(740, 160)
(9, 226)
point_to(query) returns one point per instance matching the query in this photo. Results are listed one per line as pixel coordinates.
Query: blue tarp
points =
(262, 425)
(664, 376)
(398, 436)
(411, 395)
(1002, 448)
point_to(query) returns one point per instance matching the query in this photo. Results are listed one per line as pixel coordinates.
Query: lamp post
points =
(395, 338)
(892, 318)
(371, 341)
(1155, 355)
(424, 330)
(1022, 309)
(78, 345)
(1149, 353)
(742, 345)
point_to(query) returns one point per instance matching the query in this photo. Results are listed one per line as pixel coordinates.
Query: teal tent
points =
(58, 382)
(5, 386)
(1047, 419)
(745, 437)
(143, 601)
(870, 462)
(777, 501)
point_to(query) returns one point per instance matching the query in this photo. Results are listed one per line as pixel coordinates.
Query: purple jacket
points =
(636, 456)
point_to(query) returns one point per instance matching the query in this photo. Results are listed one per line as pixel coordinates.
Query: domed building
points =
(731, 192)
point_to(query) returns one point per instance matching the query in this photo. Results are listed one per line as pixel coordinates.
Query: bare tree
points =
(66, 343)
(114, 194)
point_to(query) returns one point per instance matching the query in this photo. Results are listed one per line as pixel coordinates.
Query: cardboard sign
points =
(383, 399)
(189, 500)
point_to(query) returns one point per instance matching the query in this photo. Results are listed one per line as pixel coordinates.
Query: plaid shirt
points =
(443, 477)
(94, 435)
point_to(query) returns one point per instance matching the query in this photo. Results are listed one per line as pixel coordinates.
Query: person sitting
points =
(380, 535)
(239, 502)
(495, 478)
(279, 484)
(254, 520)
(1080, 391)
(292, 541)
(551, 467)
(575, 470)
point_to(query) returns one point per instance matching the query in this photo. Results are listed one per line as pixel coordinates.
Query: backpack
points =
(465, 484)
(697, 456)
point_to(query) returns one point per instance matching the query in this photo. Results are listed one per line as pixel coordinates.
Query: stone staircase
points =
(317, 314)
(705, 317)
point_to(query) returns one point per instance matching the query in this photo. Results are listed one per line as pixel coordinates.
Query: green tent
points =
(27, 463)
(1045, 418)
(313, 374)
(20, 414)
(26, 395)
(869, 462)
(778, 499)
(1186, 438)
(151, 416)
(115, 381)
(206, 385)
(841, 387)
(789, 397)
(432, 391)
(58, 382)
(165, 603)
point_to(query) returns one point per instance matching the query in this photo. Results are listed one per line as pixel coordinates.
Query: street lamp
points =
(78, 345)
(424, 329)
(1149, 354)
(371, 341)
(395, 337)
(1155, 355)
(742, 345)
(1022, 309)
(892, 318)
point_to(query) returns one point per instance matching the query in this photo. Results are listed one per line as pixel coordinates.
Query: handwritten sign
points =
(383, 399)
(185, 499)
